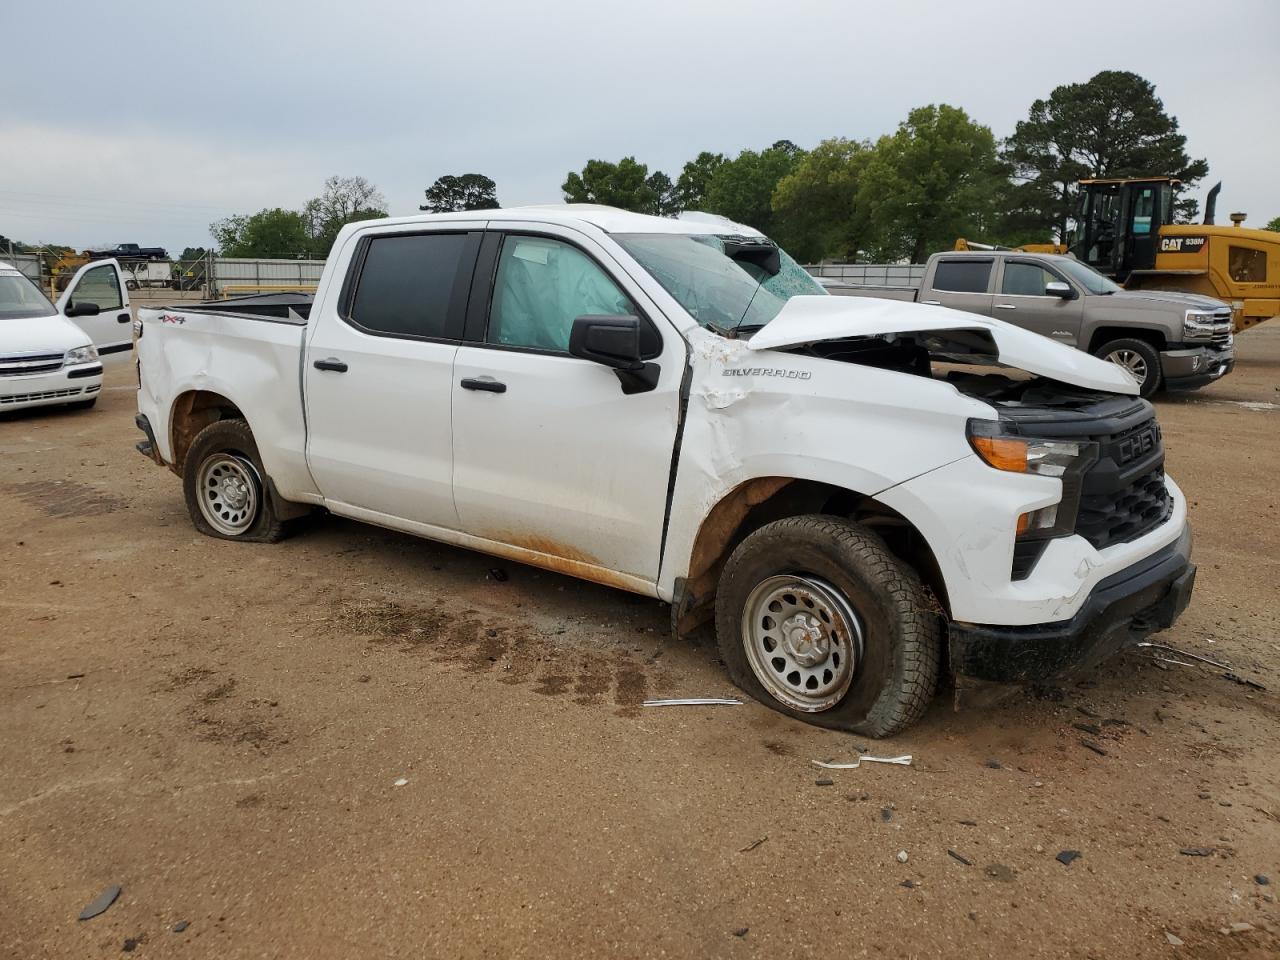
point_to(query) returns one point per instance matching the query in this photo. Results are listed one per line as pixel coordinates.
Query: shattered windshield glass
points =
(721, 292)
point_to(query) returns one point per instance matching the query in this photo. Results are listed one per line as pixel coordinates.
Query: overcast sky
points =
(145, 121)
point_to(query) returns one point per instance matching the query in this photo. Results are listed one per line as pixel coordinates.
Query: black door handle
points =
(123, 318)
(333, 363)
(489, 384)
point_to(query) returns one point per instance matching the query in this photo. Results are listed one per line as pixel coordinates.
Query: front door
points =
(1024, 302)
(550, 454)
(101, 284)
(378, 371)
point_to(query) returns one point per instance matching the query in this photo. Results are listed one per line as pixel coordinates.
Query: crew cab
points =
(1178, 341)
(673, 407)
(52, 355)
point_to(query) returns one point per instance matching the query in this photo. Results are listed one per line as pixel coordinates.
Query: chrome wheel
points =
(228, 491)
(802, 640)
(1132, 361)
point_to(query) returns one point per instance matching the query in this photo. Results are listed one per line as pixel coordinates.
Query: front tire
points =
(222, 481)
(1138, 357)
(818, 620)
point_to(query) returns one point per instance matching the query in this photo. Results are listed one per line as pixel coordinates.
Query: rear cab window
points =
(411, 285)
(962, 276)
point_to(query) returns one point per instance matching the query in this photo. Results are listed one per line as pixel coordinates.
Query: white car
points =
(52, 354)
(675, 408)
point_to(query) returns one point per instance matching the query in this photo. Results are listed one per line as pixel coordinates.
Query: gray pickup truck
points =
(1178, 341)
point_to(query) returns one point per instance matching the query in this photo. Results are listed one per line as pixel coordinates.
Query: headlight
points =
(1198, 325)
(81, 355)
(1066, 460)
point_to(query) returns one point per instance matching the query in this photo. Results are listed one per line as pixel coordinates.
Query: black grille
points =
(1108, 518)
(17, 365)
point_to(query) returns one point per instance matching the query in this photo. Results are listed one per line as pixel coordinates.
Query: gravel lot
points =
(220, 729)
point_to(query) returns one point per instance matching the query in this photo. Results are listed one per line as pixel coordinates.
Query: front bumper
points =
(1120, 611)
(1195, 367)
(66, 385)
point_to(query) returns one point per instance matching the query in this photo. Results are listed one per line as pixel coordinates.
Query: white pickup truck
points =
(859, 491)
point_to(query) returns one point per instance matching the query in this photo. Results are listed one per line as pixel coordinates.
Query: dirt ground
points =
(356, 743)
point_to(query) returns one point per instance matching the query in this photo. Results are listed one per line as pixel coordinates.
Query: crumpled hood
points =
(40, 335)
(810, 319)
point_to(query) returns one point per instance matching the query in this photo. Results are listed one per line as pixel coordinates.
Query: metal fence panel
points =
(232, 276)
(27, 263)
(871, 274)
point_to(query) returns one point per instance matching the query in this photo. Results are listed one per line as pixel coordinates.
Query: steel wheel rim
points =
(1132, 361)
(803, 641)
(228, 492)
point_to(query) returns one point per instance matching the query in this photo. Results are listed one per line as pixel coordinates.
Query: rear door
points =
(551, 453)
(101, 284)
(1022, 300)
(378, 369)
(962, 283)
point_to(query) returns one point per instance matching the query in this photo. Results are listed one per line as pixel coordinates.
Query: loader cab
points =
(1120, 223)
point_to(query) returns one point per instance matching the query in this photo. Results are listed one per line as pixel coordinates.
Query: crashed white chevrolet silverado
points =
(858, 491)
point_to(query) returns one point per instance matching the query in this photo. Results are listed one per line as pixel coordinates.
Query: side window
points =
(1247, 265)
(962, 276)
(1025, 279)
(1143, 207)
(101, 286)
(541, 286)
(406, 284)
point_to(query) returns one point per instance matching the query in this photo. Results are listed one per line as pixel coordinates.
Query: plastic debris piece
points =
(400, 783)
(903, 761)
(181, 925)
(824, 782)
(1090, 745)
(1196, 851)
(131, 943)
(967, 823)
(695, 702)
(741, 931)
(1183, 653)
(909, 884)
(1174, 941)
(1261, 879)
(100, 903)
(1067, 856)
(1243, 681)
(498, 574)
(902, 856)
(957, 856)
(835, 766)
(753, 844)
(1091, 728)
(994, 764)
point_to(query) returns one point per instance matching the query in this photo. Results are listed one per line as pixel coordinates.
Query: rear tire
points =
(222, 480)
(818, 620)
(1139, 358)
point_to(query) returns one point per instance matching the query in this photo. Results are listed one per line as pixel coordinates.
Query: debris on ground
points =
(957, 856)
(1182, 653)
(1243, 681)
(131, 943)
(1091, 728)
(497, 573)
(1174, 941)
(1090, 745)
(1085, 711)
(995, 764)
(1236, 928)
(1196, 851)
(400, 783)
(100, 903)
(181, 925)
(1261, 879)
(824, 782)
(741, 931)
(967, 823)
(909, 884)
(886, 814)
(902, 856)
(1066, 857)
(753, 844)
(695, 702)
(903, 761)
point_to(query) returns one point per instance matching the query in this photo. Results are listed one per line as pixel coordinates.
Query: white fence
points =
(231, 276)
(871, 274)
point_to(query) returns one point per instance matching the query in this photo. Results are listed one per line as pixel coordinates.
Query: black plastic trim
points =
(77, 373)
(115, 348)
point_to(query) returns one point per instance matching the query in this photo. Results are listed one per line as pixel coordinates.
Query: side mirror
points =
(82, 310)
(612, 341)
(1058, 289)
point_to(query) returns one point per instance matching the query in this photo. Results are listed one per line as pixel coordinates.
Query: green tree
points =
(270, 233)
(344, 200)
(1113, 125)
(933, 180)
(663, 191)
(625, 184)
(695, 178)
(471, 191)
(742, 188)
(816, 212)
(1274, 225)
